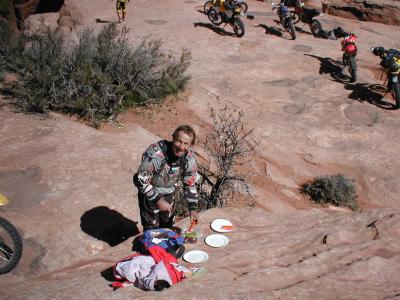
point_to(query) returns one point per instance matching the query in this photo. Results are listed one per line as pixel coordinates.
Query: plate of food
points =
(221, 225)
(216, 240)
(195, 256)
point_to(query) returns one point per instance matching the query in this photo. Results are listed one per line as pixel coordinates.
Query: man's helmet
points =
(339, 32)
(378, 51)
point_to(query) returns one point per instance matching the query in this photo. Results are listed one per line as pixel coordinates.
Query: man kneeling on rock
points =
(163, 164)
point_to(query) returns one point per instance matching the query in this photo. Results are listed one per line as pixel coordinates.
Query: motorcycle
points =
(296, 5)
(218, 15)
(307, 15)
(10, 243)
(349, 48)
(390, 61)
(216, 3)
(285, 18)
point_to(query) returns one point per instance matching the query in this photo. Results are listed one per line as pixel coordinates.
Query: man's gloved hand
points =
(164, 205)
(194, 216)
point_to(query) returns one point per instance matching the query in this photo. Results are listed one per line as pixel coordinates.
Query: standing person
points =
(163, 164)
(121, 9)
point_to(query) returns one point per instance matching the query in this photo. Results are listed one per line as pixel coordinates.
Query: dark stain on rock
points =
(310, 80)
(23, 187)
(294, 109)
(156, 22)
(302, 48)
(361, 114)
(32, 258)
(287, 82)
(237, 59)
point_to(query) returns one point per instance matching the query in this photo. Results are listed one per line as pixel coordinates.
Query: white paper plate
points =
(217, 224)
(195, 256)
(216, 240)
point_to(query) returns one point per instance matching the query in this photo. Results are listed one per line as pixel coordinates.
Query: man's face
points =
(181, 143)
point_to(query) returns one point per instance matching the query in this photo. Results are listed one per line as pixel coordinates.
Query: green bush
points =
(96, 77)
(338, 190)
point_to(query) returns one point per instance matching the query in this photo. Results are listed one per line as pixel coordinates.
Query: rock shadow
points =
(301, 30)
(108, 225)
(271, 30)
(98, 20)
(108, 274)
(371, 93)
(216, 29)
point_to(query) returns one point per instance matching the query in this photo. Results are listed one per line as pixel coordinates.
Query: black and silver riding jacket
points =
(160, 171)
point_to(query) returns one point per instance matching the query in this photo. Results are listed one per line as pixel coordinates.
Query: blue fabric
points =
(164, 238)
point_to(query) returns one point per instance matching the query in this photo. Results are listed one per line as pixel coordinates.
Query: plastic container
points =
(191, 237)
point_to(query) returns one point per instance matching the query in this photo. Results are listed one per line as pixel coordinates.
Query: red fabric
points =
(160, 254)
(349, 44)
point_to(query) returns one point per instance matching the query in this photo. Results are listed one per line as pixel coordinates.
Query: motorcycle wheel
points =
(10, 246)
(295, 17)
(352, 68)
(238, 27)
(214, 17)
(207, 6)
(396, 93)
(244, 7)
(315, 27)
(290, 28)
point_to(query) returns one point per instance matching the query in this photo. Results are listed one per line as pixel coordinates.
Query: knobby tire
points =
(16, 247)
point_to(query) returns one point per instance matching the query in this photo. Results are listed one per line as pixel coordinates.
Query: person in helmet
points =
(163, 164)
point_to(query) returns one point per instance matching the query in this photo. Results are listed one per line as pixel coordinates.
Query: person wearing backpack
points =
(163, 164)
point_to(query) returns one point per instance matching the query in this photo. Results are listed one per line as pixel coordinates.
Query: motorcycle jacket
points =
(349, 43)
(391, 62)
(226, 5)
(160, 170)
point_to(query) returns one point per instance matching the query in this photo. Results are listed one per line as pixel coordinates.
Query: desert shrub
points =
(228, 146)
(5, 7)
(338, 190)
(96, 77)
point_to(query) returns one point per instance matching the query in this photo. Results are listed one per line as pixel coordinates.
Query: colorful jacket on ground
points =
(160, 171)
(146, 271)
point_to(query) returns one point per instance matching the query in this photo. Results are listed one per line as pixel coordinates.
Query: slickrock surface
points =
(75, 206)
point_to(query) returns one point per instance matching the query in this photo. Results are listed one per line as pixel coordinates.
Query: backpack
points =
(162, 237)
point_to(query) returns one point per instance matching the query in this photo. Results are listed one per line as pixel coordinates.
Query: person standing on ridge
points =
(121, 9)
(163, 164)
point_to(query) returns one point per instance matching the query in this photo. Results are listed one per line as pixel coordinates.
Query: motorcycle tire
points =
(207, 6)
(352, 68)
(238, 27)
(295, 17)
(290, 28)
(396, 93)
(10, 246)
(244, 7)
(214, 17)
(315, 27)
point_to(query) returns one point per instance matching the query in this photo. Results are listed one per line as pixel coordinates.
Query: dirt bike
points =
(294, 6)
(307, 16)
(285, 18)
(215, 3)
(350, 52)
(218, 15)
(10, 243)
(390, 61)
